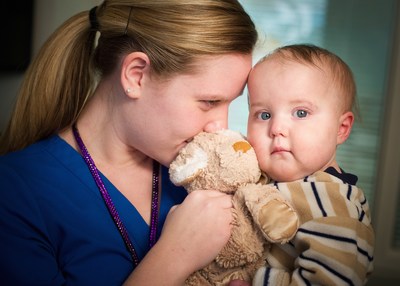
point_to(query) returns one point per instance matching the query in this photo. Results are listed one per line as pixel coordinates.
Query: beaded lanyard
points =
(110, 205)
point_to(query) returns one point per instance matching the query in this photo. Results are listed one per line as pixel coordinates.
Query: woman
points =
(84, 196)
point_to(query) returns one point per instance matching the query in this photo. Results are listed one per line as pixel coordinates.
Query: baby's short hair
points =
(328, 62)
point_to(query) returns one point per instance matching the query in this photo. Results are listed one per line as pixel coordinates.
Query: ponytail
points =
(56, 86)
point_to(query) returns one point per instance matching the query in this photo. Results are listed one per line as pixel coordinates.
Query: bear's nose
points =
(241, 146)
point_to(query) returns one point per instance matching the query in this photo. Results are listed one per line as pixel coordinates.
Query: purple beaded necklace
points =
(110, 205)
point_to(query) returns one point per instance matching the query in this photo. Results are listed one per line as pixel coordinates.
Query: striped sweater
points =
(335, 241)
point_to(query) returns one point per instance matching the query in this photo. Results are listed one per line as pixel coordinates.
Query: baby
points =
(302, 100)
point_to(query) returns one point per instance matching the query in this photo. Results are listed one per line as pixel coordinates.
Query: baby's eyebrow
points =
(256, 104)
(303, 102)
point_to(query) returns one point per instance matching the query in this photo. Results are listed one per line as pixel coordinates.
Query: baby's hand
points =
(274, 215)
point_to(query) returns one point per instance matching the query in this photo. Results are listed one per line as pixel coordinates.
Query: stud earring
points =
(128, 90)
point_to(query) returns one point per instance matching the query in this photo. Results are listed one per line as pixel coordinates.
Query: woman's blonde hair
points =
(173, 33)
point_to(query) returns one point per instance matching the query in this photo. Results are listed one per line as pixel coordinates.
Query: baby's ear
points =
(345, 124)
(187, 166)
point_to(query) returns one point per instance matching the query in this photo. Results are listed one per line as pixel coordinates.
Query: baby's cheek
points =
(264, 164)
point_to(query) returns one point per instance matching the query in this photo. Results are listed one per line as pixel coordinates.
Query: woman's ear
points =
(345, 124)
(134, 67)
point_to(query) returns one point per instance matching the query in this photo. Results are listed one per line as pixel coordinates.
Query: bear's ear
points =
(238, 163)
(187, 166)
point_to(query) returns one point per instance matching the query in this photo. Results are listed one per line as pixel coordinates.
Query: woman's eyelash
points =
(211, 102)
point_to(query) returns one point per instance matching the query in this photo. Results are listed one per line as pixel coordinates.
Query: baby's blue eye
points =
(264, 115)
(301, 113)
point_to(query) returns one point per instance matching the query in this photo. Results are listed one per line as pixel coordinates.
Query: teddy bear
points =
(226, 161)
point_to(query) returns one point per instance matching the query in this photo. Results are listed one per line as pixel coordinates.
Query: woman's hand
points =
(193, 234)
(199, 227)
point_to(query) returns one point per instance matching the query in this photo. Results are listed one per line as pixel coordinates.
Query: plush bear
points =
(225, 161)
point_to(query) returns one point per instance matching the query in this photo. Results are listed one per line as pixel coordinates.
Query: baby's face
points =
(294, 121)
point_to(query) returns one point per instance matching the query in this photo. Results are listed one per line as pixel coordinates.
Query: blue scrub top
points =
(55, 228)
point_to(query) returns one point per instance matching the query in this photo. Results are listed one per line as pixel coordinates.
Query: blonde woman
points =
(106, 105)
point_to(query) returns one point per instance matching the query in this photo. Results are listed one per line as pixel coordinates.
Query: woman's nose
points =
(216, 125)
(218, 121)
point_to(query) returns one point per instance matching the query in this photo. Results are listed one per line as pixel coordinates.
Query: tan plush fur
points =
(225, 161)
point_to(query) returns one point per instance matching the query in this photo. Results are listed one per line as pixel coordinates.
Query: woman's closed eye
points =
(209, 104)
